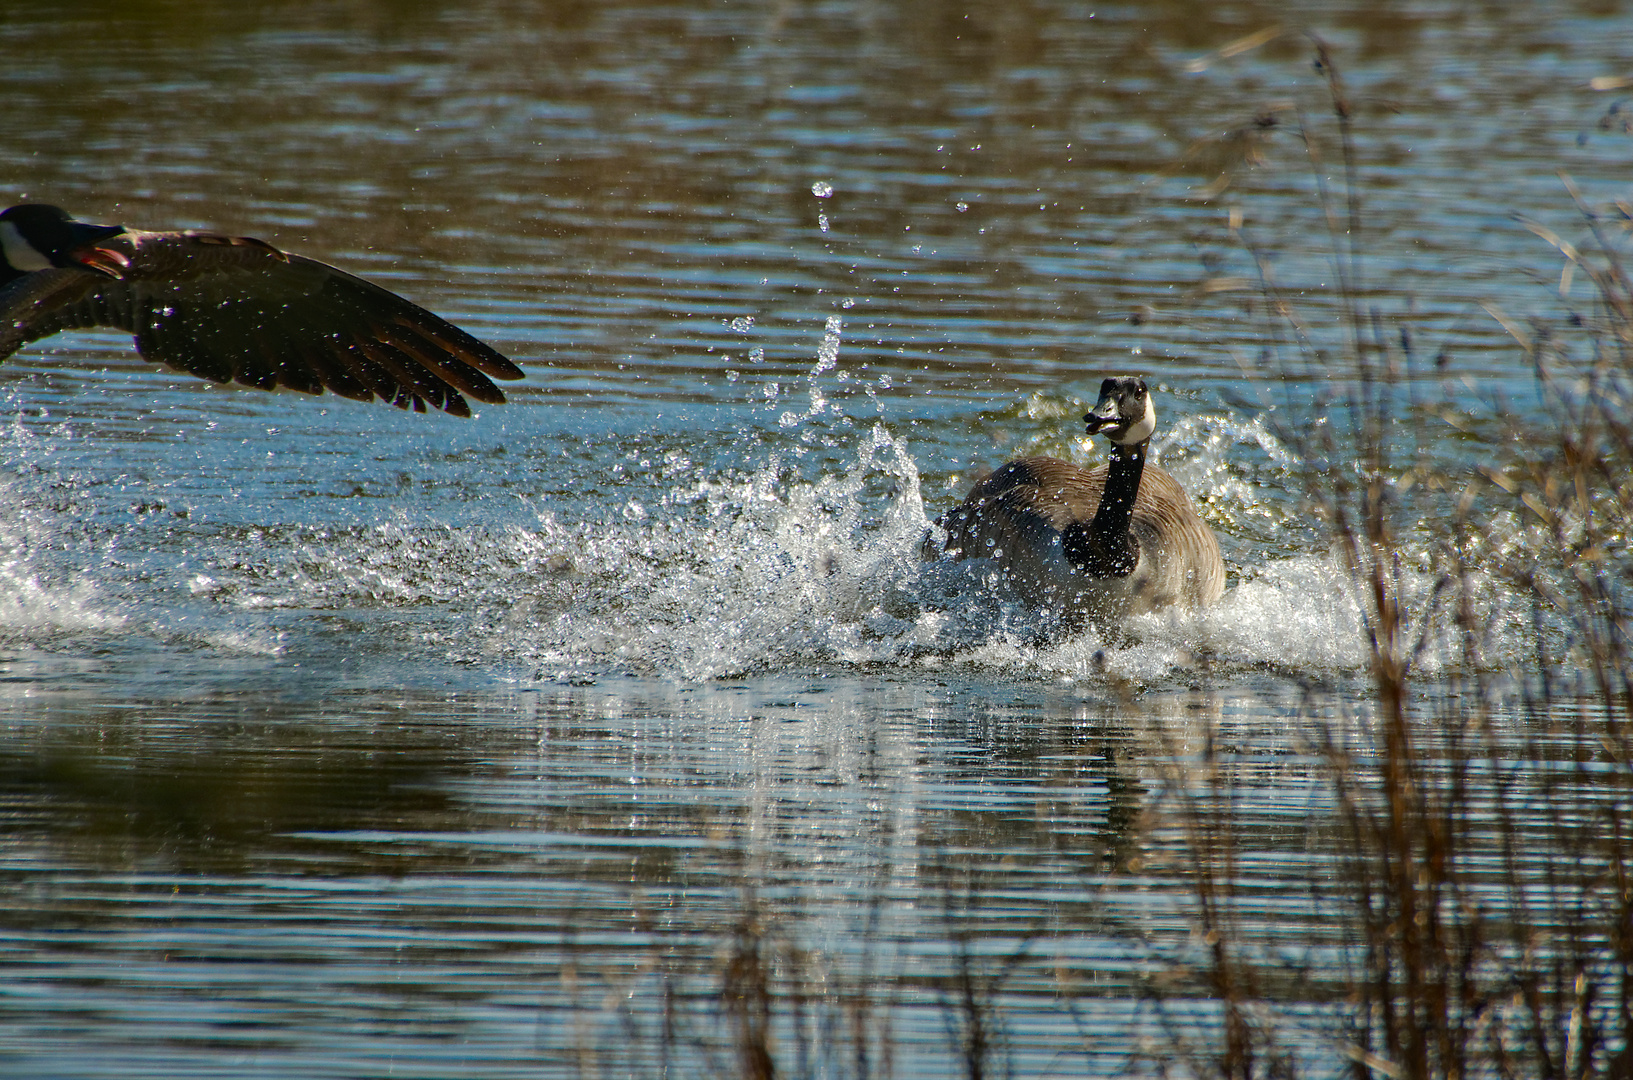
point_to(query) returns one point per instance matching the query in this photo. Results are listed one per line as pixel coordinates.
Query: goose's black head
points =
(34, 236)
(1124, 413)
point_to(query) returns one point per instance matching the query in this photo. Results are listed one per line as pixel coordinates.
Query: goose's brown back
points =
(1020, 514)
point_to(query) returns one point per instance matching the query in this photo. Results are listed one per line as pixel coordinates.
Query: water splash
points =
(692, 570)
(827, 360)
(768, 572)
(43, 596)
(737, 574)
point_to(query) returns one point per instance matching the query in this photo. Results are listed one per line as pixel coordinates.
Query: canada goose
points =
(230, 307)
(1097, 543)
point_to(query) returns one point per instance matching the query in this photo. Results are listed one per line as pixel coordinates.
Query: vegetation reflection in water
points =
(865, 830)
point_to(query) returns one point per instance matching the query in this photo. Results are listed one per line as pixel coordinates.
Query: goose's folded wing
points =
(230, 308)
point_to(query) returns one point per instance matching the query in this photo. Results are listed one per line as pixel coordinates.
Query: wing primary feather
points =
(457, 342)
(400, 365)
(330, 370)
(451, 368)
(369, 373)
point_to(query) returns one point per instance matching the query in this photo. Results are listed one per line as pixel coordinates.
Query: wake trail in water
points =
(701, 572)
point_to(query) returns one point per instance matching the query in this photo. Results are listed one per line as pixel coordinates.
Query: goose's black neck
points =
(1116, 509)
(1104, 547)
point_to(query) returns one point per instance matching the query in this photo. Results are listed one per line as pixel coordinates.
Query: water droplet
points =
(822, 189)
(963, 207)
(828, 351)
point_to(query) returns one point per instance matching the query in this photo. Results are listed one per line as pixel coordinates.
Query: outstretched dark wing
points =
(230, 308)
(31, 299)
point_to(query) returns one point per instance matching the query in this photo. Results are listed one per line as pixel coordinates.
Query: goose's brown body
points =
(1021, 517)
(1070, 549)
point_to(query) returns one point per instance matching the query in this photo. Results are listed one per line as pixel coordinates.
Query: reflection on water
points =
(519, 864)
(338, 742)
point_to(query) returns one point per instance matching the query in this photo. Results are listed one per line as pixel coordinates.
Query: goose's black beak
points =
(1102, 416)
(89, 252)
(103, 260)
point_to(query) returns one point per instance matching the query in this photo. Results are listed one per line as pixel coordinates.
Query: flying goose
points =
(1101, 543)
(234, 308)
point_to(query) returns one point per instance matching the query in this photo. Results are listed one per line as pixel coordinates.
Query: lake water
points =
(342, 742)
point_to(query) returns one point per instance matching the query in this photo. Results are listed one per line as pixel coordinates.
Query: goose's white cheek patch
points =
(1141, 431)
(21, 254)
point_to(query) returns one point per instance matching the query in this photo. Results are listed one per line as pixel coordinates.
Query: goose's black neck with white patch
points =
(1104, 547)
